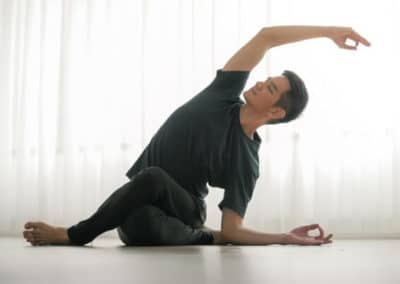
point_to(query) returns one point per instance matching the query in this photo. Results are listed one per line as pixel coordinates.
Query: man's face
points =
(263, 95)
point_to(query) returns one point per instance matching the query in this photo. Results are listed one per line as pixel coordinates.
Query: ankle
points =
(62, 234)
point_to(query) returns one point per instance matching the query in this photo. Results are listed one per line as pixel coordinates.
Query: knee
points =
(151, 173)
(151, 176)
(143, 225)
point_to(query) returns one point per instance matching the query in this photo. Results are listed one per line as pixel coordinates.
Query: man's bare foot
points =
(39, 233)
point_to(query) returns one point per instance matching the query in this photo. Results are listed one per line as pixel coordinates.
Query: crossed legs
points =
(151, 209)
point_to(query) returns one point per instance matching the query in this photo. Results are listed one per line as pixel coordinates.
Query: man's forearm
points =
(280, 35)
(245, 236)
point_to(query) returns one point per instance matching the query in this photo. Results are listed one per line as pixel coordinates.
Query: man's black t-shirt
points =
(203, 141)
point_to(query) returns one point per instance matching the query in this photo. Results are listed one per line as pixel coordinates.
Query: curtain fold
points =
(84, 84)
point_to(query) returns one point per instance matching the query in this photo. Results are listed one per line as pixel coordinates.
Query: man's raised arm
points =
(252, 52)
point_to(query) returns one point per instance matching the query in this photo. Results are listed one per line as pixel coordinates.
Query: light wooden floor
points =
(108, 261)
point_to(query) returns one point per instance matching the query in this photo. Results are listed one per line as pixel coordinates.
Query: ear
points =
(276, 113)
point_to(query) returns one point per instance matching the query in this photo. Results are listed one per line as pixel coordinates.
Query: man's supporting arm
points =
(233, 232)
(243, 236)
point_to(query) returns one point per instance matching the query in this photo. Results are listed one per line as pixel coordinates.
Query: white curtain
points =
(84, 84)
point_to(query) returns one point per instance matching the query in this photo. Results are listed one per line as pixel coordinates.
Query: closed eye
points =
(273, 85)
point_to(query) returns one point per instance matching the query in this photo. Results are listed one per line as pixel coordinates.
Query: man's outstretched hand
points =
(340, 34)
(300, 236)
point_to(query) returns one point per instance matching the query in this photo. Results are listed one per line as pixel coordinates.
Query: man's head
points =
(280, 99)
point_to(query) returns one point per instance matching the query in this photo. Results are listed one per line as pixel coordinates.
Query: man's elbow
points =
(228, 237)
(269, 36)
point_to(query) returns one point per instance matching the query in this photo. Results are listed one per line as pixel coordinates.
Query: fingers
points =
(344, 43)
(321, 236)
(358, 38)
(303, 230)
(312, 242)
(349, 47)
(321, 232)
(303, 233)
(307, 241)
(311, 227)
(349, 34)
(328, 238)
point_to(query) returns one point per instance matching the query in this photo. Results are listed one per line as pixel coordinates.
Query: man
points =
(210, 139)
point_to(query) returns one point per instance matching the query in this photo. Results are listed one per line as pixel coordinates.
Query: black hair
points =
(293, 101)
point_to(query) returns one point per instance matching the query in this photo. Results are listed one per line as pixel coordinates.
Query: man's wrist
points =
(280, 239)
(332, 31)
(284, 239)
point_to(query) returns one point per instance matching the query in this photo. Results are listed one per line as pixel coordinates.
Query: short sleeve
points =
(241, 171)
(238, 193)
(230, 80)
(223, 90)
(235, 200)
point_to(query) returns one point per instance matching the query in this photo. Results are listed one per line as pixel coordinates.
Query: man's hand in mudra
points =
(300, 236)
(341, 36)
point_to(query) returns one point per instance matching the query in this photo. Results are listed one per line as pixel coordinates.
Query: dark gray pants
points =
(151, 209)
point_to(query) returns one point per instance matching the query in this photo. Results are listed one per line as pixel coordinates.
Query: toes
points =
(32, 236)
(30, 225)
(31, 241)
(28, 235)
(34, 225)
(34, 241)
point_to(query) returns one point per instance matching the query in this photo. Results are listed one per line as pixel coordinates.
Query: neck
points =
(250, 120)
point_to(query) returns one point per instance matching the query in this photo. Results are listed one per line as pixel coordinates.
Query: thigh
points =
(149, 225)
(173, 199)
